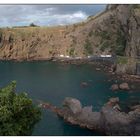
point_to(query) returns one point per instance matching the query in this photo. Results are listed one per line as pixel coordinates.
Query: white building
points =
(108, 55)
(67, 56)
(61, 55)
(89, 56)
(105, 55)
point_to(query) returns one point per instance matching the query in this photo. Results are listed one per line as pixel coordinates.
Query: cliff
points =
(114, 31)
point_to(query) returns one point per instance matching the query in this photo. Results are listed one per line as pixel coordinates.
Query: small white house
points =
(88, 56)
(105, 55)
(61, 55)
(108, 55)
(67, 56)
(102, 55)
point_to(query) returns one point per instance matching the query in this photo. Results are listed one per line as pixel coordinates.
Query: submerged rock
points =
(124, 86)
(113, 101)
(84, 84)
(114, 87)
(98, 69)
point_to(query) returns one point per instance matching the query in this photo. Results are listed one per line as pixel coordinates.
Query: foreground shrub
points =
(18, 115)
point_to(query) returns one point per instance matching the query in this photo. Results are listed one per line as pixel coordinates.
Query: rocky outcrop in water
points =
(122, 86)
(110, 120)
(114, 87)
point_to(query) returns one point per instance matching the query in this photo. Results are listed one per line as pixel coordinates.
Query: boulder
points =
(84, 84)
(114, 87)
(98, 69)
(117, 107)
(124, 86)
(73, 104)
(113, 101)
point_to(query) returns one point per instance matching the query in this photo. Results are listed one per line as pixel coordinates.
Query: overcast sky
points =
(46, 15)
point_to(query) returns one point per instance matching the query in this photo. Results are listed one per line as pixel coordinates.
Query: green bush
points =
(32, 25)
(50, 52)
(105, 35)
(88, 47)
(11, 38)
(71, 52)
(105, 45)
(91, 33)
(122, 60)
(120, 44)
(18, 115)
(0, 36)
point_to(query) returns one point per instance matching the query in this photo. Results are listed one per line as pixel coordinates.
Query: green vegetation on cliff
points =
(120, 44)
(126, 60)
(18, 115)
(122, 60)
(114, 41)
(88, 49)
(71, 52)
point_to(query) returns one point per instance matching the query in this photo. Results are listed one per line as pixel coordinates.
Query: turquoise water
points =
(52, 82)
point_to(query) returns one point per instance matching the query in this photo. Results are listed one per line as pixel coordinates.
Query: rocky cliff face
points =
(114, 31)
(133, 39)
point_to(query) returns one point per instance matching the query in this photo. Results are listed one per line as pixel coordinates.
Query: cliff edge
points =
(114, 31)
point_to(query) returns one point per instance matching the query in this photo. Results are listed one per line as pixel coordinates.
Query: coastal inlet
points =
(52, 82)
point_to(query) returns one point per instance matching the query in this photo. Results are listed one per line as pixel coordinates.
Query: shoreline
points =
(100, 65)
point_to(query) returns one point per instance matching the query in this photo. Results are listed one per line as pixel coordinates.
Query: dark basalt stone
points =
(110, 120)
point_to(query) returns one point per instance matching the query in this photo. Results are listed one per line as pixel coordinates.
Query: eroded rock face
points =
(128, 68)
(113, 101)
(109, 120)
(115, 122)
(73, 104)
(133, 34)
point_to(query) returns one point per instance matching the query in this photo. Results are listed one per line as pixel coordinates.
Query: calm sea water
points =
(52, 82)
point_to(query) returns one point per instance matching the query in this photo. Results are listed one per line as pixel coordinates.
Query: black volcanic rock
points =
(109, 120)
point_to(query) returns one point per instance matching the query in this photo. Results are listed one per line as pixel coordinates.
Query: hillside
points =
(114, 31)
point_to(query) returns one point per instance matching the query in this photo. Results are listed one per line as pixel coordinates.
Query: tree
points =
(18, 115)
(33, 25)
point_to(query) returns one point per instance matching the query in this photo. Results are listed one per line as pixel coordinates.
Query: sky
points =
(46, 15)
